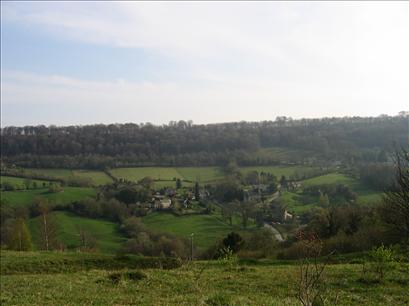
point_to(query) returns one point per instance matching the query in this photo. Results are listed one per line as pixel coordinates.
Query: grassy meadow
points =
(207, 229)
(19, 182)
(97, 177)
(27, 197)
(106, 233)
(365, 194)
(199, 283)
(295, 202)
(278, 171)
(200, 174)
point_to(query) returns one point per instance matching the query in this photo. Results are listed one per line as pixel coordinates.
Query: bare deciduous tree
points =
(396, 208)
(311, 286)
(48, 227)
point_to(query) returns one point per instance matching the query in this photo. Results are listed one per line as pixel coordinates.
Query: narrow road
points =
(276, 233)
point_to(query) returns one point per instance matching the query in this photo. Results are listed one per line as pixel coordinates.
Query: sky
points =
(67, 63)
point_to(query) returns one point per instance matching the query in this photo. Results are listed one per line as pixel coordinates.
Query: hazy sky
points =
(77, 63)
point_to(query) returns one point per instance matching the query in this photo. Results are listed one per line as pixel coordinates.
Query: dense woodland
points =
(350, 139)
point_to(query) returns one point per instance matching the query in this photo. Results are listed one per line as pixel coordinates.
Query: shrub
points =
(228, 258)
(233, 241)
(311, 286)
(382, 261)
(131, 275)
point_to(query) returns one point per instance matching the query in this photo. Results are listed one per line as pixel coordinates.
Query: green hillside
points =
(366, 195)
(106, 233)
(207, 229)
(278, 171)
(27, 197)
(19, 182)
(296, 202)
(200, 174)
(331, 178)
(138, 173)
(97, 177)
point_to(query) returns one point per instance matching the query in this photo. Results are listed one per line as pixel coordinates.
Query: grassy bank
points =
(67, 262)
(202, 283)
(106, 234)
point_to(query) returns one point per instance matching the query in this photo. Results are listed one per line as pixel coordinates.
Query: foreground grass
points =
(13, 262)
(106, 234)
(27, 197)
(201, 283)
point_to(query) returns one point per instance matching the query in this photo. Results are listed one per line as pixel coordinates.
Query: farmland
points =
(96, 177)
(365, 194)
(108, 239)
(331, 178)
(19, 182)
(27, 197)
(278, 171)
(207, 229)
(191, 174)
(298, 204)
(200, 174)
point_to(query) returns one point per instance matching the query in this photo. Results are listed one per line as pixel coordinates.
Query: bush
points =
(228, 258)
(233, 241)
(381, 261)
(131, 275)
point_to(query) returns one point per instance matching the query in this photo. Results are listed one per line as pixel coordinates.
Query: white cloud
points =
(81, 101)
(248, 60)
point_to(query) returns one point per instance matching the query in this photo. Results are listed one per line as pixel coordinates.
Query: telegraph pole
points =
(191, 246)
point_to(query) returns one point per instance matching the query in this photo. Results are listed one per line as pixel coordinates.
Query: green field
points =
(18, 182)
(106, 233)
(278, 171)
(165, 176)
(138, 173)
(201, 174)
(365, 194)
(331, 178)
(207, 229)
(170, 184)
(27, 197)
(200, 283)
(97, 177)
(294, 204)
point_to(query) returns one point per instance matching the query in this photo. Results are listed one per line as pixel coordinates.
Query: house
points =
(160, 202)
(166, 203)
(170, 192)
(293, 185)
(287, 215)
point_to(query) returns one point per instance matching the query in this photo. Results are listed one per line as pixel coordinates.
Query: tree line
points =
(184, 143)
